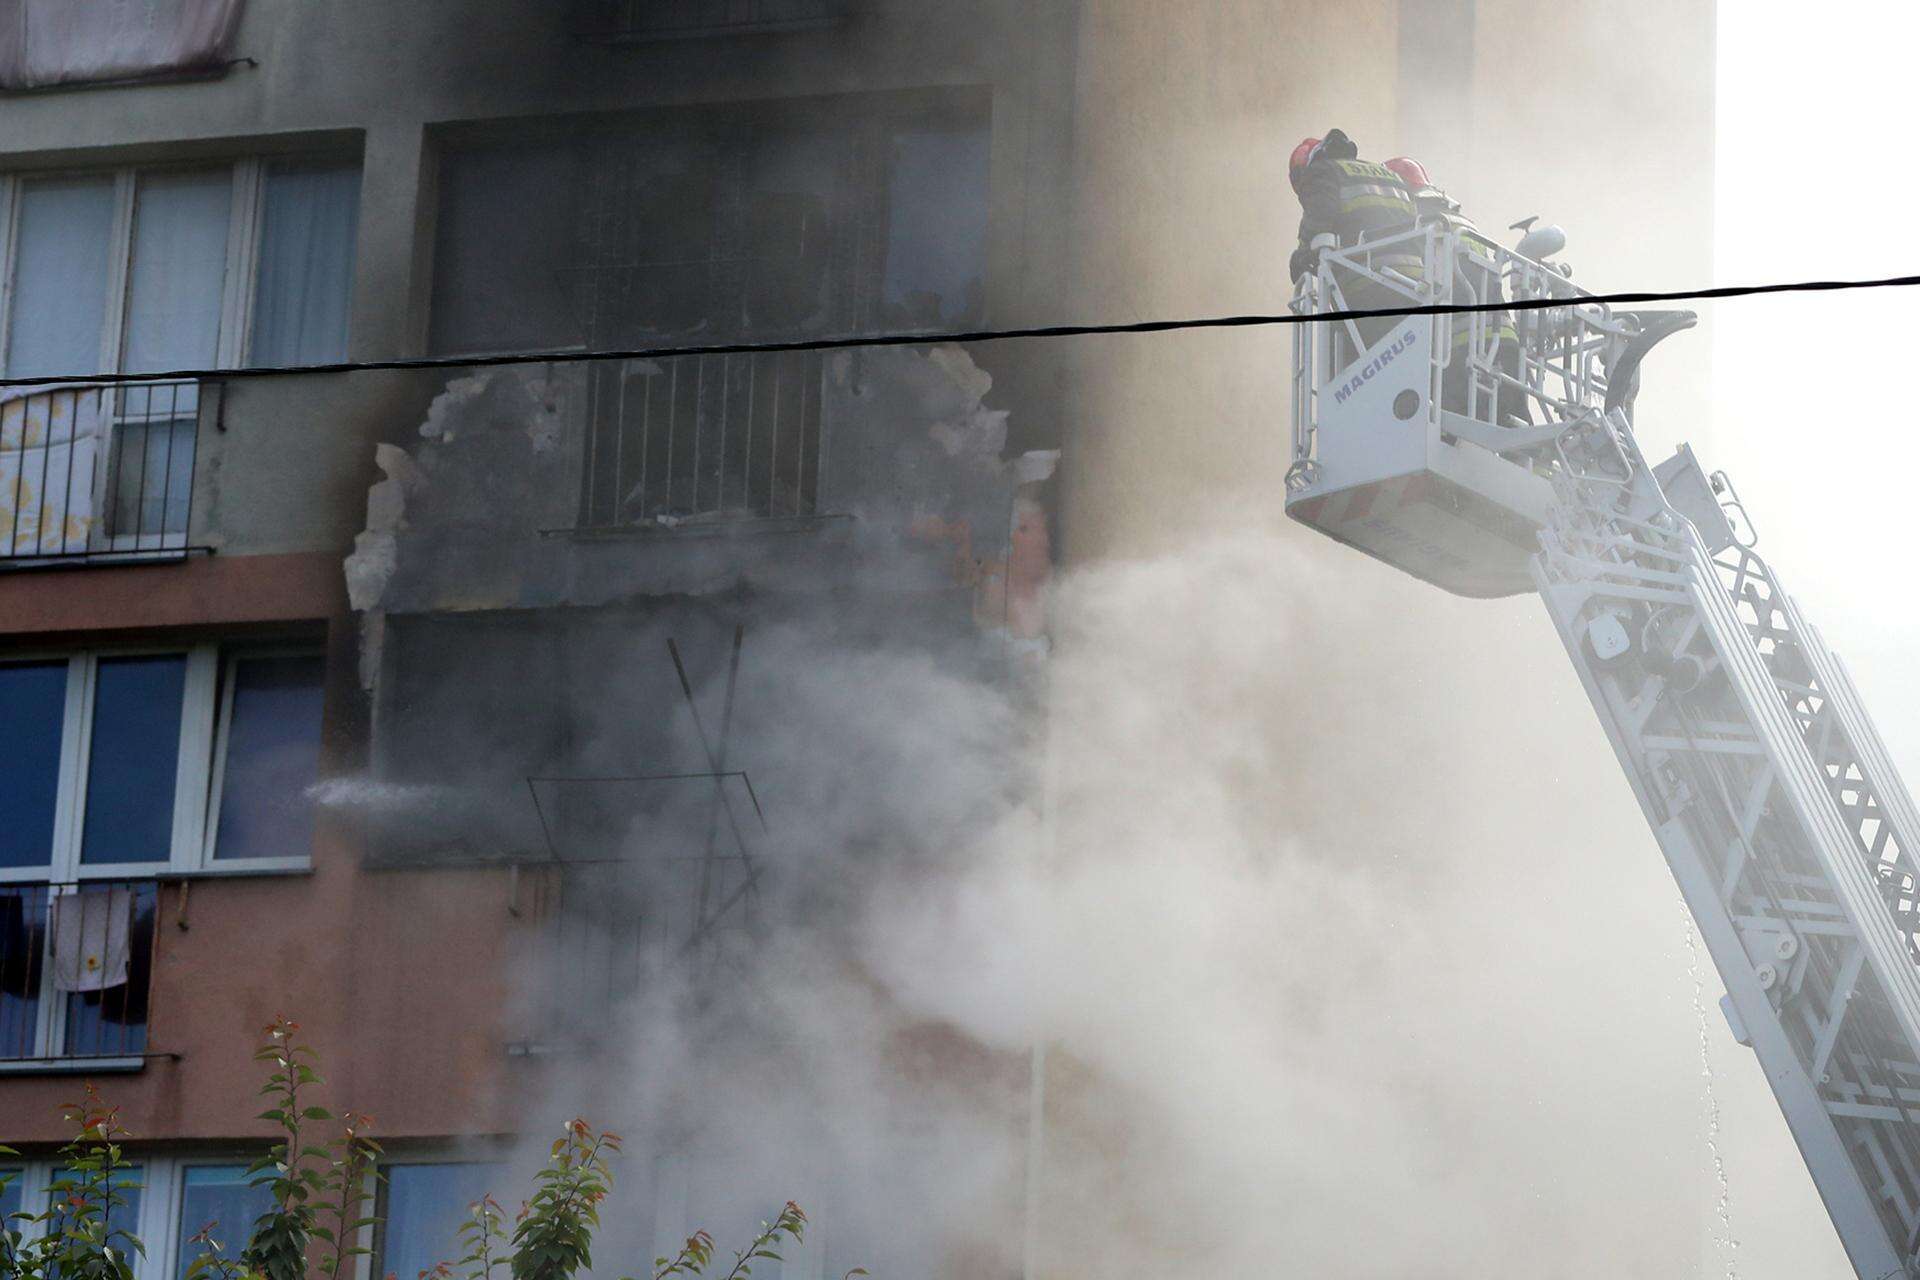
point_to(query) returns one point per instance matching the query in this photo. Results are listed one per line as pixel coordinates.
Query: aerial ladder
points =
(1492, 452)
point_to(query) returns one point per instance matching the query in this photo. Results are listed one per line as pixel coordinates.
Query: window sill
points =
(254, 870)
(109, 1064)
(133, 873)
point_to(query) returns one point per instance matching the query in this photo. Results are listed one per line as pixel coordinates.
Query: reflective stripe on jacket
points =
(1353, 199)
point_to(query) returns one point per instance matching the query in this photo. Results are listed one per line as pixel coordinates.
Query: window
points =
(76, 967)
(131, 763)
(220, 1201)
(13, 1193)
(168, 1202)
(128, 765)
(421, 1209)
(146, 271)
(269, 756)
(704, 226)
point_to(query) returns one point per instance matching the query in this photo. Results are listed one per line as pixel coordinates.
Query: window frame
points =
(200, 766)
(375, 1238)
(163, 1183)
(230, 660)
(247, 176)
(64, 866)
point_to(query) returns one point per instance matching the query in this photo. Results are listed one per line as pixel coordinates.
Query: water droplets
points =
(1723, 1239)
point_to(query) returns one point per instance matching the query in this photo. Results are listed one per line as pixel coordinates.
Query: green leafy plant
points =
(320, 1191)
(76, 1237)
(554, 1237)
(277, 1249)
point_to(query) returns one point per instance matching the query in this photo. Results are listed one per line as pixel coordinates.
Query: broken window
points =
(705, 226)
(936, 228)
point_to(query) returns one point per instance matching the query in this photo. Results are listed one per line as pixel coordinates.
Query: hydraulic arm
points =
(1772, 797)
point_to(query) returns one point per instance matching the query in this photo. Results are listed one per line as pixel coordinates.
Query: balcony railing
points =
(76, 969)
(703, 439)
(91, 471)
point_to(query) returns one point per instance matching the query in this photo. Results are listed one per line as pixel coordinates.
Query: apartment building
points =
(234, 609)
(453, 712)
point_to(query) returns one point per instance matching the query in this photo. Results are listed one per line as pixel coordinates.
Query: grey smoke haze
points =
(1327, 986)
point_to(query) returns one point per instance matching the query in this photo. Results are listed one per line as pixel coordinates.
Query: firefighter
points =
(1346, 202)
(1476, 275)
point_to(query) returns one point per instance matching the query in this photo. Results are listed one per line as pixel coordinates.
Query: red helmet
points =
(1410, 171)
(1301, 157)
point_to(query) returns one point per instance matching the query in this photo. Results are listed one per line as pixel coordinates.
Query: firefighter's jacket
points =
(1352, 200)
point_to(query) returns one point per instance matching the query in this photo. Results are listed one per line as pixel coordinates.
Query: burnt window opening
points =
(712, 225)
(625, 21)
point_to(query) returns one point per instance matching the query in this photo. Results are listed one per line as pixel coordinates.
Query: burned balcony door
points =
(741, 242)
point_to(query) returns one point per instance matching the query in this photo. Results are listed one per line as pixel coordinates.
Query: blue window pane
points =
(273, 756)
(125, 1216)
(426, 1203)
(11, 1195)
(33, 698)
(217, 1204)
(123, 1219)
(135, 755)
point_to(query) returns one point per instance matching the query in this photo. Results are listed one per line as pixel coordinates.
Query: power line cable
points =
(855, 341)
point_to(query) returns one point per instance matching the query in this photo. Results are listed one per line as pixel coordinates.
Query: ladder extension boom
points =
(1774, 801)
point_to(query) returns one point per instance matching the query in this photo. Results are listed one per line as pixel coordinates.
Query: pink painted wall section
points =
(203, 591)
(400, 981)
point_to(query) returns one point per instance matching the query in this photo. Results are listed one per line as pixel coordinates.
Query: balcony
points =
(76, 969)
(97, 472)
(702, 440)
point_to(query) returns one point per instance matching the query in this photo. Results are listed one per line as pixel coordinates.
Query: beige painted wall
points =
(1541, 1109)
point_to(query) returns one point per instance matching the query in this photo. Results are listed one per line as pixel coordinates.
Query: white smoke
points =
(1327, 986)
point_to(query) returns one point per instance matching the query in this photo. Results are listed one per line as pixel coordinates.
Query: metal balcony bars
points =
(96, 471)
(76, 969)
(703, 439)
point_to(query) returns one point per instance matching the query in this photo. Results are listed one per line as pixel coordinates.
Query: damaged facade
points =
(484, 720)
(498, 698)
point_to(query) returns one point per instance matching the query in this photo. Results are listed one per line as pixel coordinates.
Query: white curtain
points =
(59, 305)
(179, 267)
(306, 263)
(49, 452)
